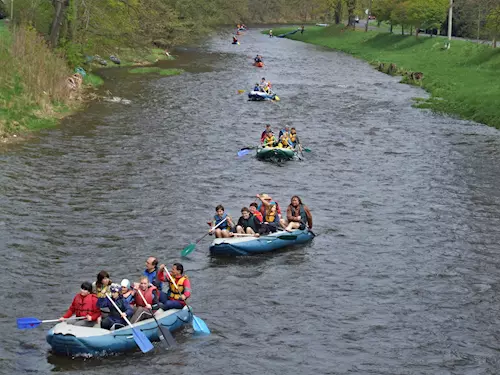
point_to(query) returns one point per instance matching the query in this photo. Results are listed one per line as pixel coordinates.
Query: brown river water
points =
(401, 279)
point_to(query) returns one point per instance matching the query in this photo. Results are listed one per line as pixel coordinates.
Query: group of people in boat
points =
(287, 138)
(262, 218)
(105, 304)
(263, 86)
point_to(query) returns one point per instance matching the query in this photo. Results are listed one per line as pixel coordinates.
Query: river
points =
(401, 279)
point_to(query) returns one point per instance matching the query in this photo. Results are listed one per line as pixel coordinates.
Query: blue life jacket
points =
(218, 219)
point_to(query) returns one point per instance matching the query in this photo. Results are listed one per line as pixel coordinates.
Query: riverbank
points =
(34, 90)
(463, 80)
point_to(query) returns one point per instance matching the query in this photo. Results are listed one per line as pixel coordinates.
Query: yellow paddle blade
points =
(277, 98)
(241, 91)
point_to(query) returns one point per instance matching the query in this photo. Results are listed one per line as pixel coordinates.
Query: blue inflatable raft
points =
(249, 245)
(260, 95)
(73, 340)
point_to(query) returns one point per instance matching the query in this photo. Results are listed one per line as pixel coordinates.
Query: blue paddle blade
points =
(28, 323)
(243, 152)
(141, 340)
(200, 326)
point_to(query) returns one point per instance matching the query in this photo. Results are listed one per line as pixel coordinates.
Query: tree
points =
(426, 14)
(351, 8)
(382, 9)
(493, 24)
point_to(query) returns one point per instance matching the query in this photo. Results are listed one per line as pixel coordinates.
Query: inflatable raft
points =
(276, 154)
(255, 245)
(259, 64)
(73, 340)
(260, 95)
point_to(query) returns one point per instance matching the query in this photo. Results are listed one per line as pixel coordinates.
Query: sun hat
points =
(265, 197)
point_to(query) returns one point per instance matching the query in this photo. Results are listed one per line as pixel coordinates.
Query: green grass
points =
(155, 69)
(18, 112)
(93, 80)
(464, 80)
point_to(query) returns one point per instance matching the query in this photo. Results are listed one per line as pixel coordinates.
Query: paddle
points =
(164, 332)
(29, 322)
(241, 91)
(189, 248)
(139, 337)
(199, 325)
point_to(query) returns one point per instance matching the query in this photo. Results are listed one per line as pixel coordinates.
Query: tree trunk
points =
(60, 8)
(402, 30)
(73, 22)
(338, 12)
(351, 8)
(390, 29)
(411, 30)
(495, 42)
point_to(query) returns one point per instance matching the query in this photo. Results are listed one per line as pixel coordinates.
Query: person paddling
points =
(146, 304)
(115, 317)
(225, 221)
(84, 305)
(176, 296)
(264, 133)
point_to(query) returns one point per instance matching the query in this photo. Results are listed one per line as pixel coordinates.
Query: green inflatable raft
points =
(275, 153)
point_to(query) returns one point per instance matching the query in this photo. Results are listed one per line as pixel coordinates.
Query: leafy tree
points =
(426, 14)
(493, 24)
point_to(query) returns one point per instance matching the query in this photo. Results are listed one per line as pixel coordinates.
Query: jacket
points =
(83, 306)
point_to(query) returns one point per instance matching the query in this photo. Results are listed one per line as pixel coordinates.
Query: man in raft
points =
(176, 296)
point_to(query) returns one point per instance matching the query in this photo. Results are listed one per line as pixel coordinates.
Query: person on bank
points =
(115, 317)
(176, 296)
(298, 215)
(84, 305)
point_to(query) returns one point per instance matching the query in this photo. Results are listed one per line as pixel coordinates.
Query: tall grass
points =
(464, 80)
(33, 87)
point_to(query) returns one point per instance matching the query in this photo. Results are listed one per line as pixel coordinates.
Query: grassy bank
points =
(33, 89)
(463, 81)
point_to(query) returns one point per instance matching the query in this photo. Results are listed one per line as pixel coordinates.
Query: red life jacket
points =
(148, 295)
(83, 306)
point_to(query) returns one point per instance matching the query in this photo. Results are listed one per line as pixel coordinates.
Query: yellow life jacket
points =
(174, 293)
(270, 216)
(101, 292)
(293, 137)
(269, 141)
